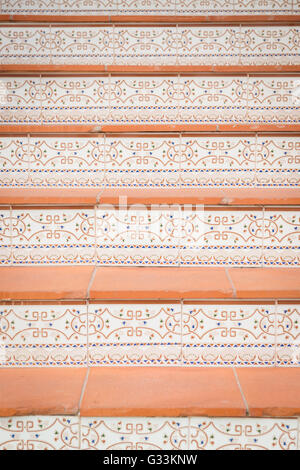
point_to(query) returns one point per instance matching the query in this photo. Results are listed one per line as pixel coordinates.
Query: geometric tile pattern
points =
(172, 45)
(171, 235)
(137, 162)
(141, 334)
(140, 7)
(39, 433)
(195, 433)
(149, 100)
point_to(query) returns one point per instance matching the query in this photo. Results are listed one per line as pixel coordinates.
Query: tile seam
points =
(83, 390)
(231, 283)
(241, 392)
(91, 282)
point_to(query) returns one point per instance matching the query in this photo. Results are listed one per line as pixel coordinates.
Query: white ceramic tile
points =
(43, 335)
(134, 334)
(288, 335)
(149, 100)
(281, 238)
(243, 434)
(134, 433)
(53, 236)
(5, 236)
(239, 335)
(39, 433)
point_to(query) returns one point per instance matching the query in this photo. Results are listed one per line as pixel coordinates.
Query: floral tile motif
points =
(53, 236)
(130, 45)
(134, 433)
(281, 238)
(171, 235)
(216, 237)
(239, 335)
(243, 434)
(134, 334)
(5, 236)
(39, 433)
(43, 335)
(288, 335)
(149, 100)
(140, 7)
(138, 162)
(137, 236)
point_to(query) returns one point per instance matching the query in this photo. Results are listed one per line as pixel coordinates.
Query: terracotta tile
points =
(44, 283)
(271, 392)
(42, 391)
(270, 283)
(154, 391)
(160, 283)
(20, 196)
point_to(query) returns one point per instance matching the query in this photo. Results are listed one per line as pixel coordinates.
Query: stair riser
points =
(194, 433)
(182, 45)
(150, 100)
(170, 334)
(147, 161)
(157, 236)
(140, 7)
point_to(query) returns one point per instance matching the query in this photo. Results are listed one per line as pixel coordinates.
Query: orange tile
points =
(266, 283)
(44, 282)
(230, 196)
(40, 391)
(271, 392)
(154, 283)
(74, 196)
(153, 391)
(90, 196)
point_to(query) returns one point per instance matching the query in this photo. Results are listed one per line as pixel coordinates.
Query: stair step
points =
(151, 236)
(150, 46)
(195, 333)
(150, 161)
(143, 283)
(172, 392)
(17, 196)
(105, 101)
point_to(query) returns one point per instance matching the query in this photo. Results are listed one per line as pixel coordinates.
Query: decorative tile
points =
(53, 236)
(137, 162)
(243, 434)
(216, 237)
(134, 433)
(148, 45)
(237, 335)
(140, 7)
(39, 433)
(288, 335)
(5, 236)
(138, 236)
(134, 334)
(281, 237)
(149, 100)
(43, 335)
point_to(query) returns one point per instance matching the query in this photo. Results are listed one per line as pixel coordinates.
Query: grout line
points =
(241, 391)
(189, 433)
(231, 283)
(181, 330)
(91, 282)
(83, 389)
(276, 333)
(298, 434)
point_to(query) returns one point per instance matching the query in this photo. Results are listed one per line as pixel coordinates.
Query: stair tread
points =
(91, 196)
(151, 391)
(147, 283)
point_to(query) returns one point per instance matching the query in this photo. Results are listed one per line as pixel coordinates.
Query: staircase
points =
(149, 225)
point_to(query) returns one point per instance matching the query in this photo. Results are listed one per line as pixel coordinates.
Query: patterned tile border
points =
(138, 334)
(140, 7)
(181, 45)
(149, 100)
(149, 162)
(157, 236)
(196, 433)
